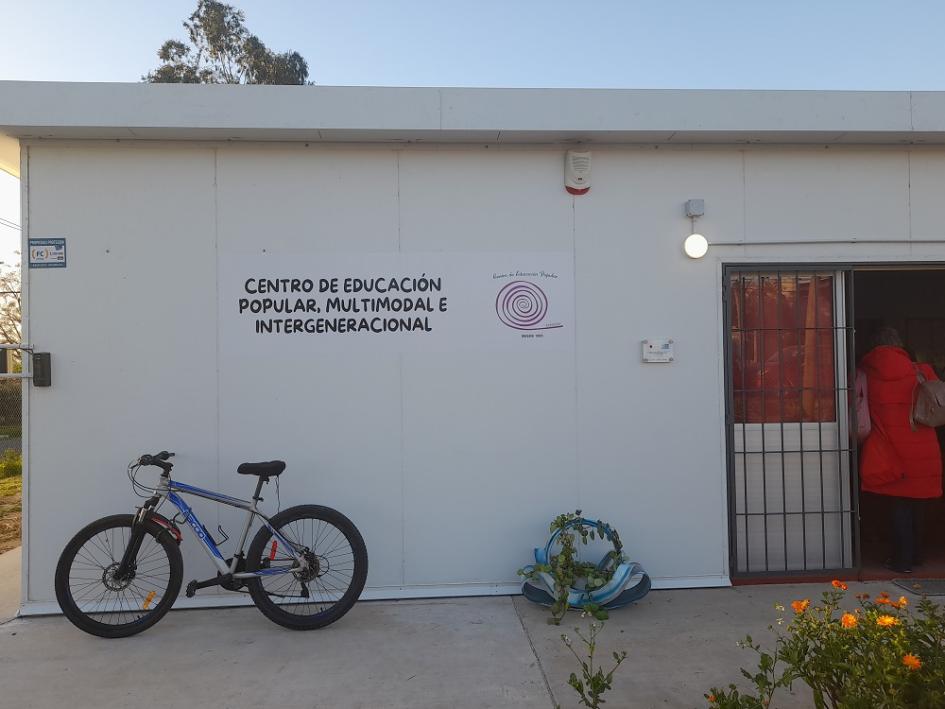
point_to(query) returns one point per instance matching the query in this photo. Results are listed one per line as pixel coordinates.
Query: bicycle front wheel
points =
(337, 567)
(95, 600)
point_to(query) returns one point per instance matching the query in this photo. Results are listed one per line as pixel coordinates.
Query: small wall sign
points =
(47, 253)
(658, 350)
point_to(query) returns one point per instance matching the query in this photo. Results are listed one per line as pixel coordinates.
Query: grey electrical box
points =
(695, 207)
(42, 370)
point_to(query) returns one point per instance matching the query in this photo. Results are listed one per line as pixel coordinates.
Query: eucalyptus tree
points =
(220, 50)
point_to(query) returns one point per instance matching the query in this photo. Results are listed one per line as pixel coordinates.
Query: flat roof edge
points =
(589, 139)
(60, 110)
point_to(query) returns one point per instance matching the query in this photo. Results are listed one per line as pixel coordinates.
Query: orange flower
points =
(885, 621)
(883, 594)
(848, 620)
(711, 698)
(838, 584)
(882, 601)
(800, 606)
(903, 601)
(911, 661)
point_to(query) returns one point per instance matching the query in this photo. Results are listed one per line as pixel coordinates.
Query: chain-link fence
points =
(11, 425)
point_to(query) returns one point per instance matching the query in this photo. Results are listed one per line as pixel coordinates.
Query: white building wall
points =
(130, 322)
(451, 464)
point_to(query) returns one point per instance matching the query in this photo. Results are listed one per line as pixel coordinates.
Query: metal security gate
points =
(791, 466)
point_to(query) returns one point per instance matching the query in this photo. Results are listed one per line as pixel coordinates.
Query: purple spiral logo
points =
(521, 305)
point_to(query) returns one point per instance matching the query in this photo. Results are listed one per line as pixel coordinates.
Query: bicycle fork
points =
(127, 566)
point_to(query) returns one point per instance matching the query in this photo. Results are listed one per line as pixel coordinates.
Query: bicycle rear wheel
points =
(337, 568)
(95, 601)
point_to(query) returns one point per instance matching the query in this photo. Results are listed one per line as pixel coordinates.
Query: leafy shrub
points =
(11, 464)
(877, 656)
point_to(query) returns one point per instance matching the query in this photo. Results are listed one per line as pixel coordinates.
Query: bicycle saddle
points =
(263, 470)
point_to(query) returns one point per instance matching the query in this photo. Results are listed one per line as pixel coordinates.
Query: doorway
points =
(913, 302)
(791, 467)
(793, 338)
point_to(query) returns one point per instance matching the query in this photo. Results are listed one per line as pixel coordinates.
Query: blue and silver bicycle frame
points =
(172, 490)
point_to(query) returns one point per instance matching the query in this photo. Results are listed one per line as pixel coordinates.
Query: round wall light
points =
(696, 246)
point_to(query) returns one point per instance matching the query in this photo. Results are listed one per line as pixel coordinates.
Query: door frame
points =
(848, 268)
(846, 288)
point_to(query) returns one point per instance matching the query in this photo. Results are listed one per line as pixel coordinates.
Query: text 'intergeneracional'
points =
(380, 304)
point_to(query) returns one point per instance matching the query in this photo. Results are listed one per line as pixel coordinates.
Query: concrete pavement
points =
(679, 644)
(465, 653)
(474, 653)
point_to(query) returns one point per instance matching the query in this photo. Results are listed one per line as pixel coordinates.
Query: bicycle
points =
(305, 567)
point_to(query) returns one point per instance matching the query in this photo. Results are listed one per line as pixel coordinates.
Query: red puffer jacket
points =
(895, 459)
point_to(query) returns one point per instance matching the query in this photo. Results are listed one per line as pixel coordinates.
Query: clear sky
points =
(803, 44)
(809, 44)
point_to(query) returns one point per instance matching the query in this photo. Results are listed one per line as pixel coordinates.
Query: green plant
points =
(877, 656)
(11, 464)
(222, 50)
(594, 682)
(565, 567)
(10, 509)
(10, 487)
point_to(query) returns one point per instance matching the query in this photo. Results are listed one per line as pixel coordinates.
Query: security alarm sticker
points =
(47, 253)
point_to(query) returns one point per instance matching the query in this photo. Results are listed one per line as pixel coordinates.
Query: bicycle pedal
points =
(191, 589)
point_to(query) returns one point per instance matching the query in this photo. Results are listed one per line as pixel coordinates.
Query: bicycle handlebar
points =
(158, 459)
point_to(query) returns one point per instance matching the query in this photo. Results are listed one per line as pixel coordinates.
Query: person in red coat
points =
(899, 460)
